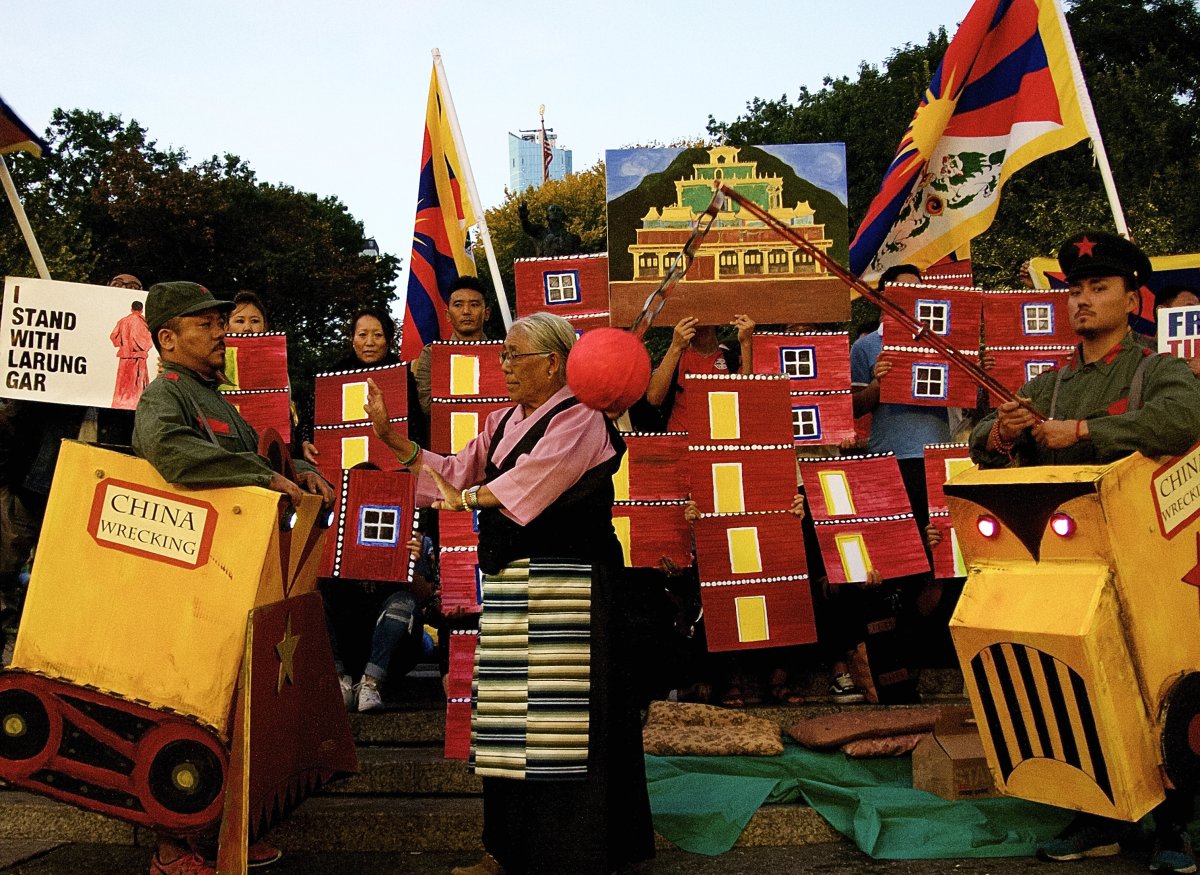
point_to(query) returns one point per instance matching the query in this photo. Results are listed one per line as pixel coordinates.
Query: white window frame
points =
(814, 422)
(1038, 366)
(922, 373)
(557, 290)
(380, 524)
(1037, 318)
(797, 360)
(930, 312)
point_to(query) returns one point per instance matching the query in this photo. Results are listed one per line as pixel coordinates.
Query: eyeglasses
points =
(506, 356)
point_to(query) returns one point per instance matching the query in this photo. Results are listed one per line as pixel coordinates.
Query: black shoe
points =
(1173, 853)
(1085, 837)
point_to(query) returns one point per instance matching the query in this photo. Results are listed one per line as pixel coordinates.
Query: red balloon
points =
(608, 369)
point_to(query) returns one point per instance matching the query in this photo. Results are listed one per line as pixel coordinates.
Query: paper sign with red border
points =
(1176, 490)
(163, 520)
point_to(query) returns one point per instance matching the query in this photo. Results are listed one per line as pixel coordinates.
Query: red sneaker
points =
(187, 863)
(262, 854)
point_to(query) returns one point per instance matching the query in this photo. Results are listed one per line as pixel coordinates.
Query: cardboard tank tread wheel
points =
(29, 730)
(1181, 732)
(109, 755)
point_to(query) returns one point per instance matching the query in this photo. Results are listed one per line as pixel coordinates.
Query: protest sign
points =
(1179, 331)
(72, 343)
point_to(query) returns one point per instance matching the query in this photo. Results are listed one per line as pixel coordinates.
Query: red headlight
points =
(1062, 525)
(987, 525)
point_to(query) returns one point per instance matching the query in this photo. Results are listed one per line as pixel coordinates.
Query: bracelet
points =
(416, 452)
(1078, 426)
(1001, 445)
(462, 496)
(472, 497)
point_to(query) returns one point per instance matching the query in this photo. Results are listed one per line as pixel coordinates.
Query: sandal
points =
(733, 698)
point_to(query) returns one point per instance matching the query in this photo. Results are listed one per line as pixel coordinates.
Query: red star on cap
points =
(1085, 247)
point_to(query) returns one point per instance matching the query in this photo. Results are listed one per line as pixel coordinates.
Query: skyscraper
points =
(525, 159)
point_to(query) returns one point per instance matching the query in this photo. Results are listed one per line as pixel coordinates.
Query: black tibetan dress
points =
(596, 821)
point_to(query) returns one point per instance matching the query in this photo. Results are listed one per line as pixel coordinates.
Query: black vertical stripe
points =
(1021, 652)
(991, 716)
(1061, 717)
(1011, 702)
(1091, 735)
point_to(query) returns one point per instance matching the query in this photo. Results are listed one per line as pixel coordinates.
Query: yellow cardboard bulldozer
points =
(1078, 631)
(173, 667)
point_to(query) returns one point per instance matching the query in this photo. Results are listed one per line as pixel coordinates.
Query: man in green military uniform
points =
(186, 429)
(1114, 398)
(194, 437)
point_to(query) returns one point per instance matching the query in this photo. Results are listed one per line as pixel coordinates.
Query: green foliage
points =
(869, 115)
(106, 200)
(1142, 71)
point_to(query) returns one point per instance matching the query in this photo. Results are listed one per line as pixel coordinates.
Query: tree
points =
(1142, 72)
(107, 200)
(868, 114)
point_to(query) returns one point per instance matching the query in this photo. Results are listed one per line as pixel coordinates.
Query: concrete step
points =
(416, 727)
(365, 824)
(422, 770)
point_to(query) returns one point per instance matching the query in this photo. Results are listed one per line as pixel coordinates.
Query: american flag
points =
(547, 152)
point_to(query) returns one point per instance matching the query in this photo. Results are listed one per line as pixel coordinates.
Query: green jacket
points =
(169, 433)
(1167, 423)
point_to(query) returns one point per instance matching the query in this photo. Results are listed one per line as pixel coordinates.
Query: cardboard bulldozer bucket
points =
(173, 667)
(1077, 628)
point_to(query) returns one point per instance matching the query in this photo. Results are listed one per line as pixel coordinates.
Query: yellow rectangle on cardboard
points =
(355, 450)
(138, 625)
(621, 526)
(728, 496)
(744, 556)
(464, 375)
(463, 429)
(354, 398)
(723, 419)
(621, 480)
(752, 618)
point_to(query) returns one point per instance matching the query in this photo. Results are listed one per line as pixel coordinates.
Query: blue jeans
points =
(395, 624)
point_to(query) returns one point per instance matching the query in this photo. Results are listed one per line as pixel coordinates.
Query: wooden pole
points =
(10, 189)
(1093, 127)
(472, 191)
(919, 330)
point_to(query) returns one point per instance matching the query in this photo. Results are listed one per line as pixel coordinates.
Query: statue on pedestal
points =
(554, 238)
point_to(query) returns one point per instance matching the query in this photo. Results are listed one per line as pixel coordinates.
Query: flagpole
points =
(472, 191)
(10, 189)
(1093, 127)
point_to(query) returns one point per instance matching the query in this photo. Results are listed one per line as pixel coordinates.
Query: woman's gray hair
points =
(548, 333)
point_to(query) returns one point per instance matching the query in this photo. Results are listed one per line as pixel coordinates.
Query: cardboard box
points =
(950, 763)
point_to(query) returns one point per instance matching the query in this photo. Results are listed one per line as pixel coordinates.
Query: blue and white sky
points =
(330, 97)
(823, 164)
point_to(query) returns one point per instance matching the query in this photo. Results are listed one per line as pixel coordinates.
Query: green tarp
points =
(701, 804)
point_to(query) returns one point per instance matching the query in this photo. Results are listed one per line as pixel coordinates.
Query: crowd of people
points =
(539, 475)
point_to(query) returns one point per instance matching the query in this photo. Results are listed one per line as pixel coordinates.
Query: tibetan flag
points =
(439, 254)
(1007, 92)
(16, 136)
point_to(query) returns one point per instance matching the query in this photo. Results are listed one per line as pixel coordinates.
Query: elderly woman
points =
(570, 794)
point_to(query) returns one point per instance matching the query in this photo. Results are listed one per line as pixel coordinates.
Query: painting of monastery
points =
(656, 196)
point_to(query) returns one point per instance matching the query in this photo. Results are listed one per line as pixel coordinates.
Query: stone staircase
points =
(407, 797)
